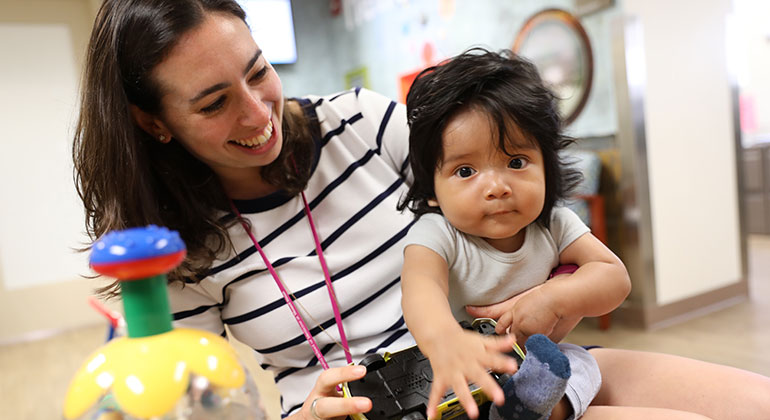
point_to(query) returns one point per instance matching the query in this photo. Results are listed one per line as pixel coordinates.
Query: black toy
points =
(399, 383)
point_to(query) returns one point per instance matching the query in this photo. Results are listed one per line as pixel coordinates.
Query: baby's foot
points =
(537, 387)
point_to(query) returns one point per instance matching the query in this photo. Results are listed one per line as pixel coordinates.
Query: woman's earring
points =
(162, 138)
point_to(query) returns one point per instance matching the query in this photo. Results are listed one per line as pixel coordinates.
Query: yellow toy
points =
(156, 372)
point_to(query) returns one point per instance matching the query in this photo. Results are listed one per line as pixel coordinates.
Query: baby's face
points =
(483, 191)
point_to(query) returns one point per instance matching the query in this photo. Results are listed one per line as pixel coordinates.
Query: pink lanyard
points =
(285, 293)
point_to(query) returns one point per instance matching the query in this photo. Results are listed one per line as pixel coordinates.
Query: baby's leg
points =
(534, 390)
(585, 381)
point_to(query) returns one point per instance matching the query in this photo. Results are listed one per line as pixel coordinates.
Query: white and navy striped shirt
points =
(353, 192)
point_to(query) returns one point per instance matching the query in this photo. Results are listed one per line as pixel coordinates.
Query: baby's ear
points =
(432, 202)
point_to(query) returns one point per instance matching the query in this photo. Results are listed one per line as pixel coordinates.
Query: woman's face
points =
(222, 100)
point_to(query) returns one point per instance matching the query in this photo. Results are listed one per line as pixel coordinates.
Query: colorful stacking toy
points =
(156, 372)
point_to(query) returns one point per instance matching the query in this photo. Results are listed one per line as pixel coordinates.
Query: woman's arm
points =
(457, 356)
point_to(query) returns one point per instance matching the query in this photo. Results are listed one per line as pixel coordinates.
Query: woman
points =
(183, 124)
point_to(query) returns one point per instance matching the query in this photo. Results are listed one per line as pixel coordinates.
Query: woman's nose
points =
(255, 112)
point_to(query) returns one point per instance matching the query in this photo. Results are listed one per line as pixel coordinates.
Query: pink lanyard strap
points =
(285, 293)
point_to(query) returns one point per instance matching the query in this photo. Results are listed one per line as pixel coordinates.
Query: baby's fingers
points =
(437, 391)
(497, 359)
(505, 321)
(489, 385)
(465, 397)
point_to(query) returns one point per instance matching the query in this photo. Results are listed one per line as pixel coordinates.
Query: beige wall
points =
(688, 112)
(41, 218)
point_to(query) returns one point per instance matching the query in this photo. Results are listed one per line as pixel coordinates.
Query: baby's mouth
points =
(257, 141)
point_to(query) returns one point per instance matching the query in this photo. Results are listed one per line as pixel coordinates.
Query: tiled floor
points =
(34, 376)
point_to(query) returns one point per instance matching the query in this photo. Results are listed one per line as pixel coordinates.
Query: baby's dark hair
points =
(508, 89)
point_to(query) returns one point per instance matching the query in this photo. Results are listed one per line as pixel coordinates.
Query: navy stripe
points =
(390, 340)
(313, 361)
(390, 242)
(361, 213)
(301, 338)
(263, 243)
(341, 128)
(347, 92)
(342, 178)
(384, 125)
(286, 414)
(192, 312)
(231, 263)
(270, 201)
(299, 294)
(404, 166)
(286, 373)
(398, 324)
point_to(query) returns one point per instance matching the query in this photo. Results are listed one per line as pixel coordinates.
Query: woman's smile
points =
(256, 145)
(258, 140)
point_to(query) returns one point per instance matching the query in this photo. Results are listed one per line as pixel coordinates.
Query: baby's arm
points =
(457, 356)
(599, 285)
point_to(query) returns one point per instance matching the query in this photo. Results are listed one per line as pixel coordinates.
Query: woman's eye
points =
(465, 172)
(216, 105)
(259, 75)
(517, 163)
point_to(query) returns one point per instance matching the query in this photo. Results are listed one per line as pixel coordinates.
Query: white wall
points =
(690, 147)
(41, 219)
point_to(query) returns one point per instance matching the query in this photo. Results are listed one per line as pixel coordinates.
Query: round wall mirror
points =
(557, 44)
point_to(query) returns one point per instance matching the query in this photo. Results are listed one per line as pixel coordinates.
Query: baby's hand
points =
(467, 356)
(532, 313)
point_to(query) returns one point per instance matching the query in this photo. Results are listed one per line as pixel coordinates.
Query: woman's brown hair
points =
(127, 178)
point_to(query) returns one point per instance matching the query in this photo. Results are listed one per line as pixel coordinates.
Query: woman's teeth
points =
(258, 140)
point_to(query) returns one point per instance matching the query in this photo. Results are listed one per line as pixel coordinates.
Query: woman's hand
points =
(325, 402)
(467, 356)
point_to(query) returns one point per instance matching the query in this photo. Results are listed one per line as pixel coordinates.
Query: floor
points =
(34, 375)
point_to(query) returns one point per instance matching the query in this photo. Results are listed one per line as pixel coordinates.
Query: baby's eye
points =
(517, 163)
(465, 172)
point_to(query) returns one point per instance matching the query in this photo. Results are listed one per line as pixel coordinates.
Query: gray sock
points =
(539, 384)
